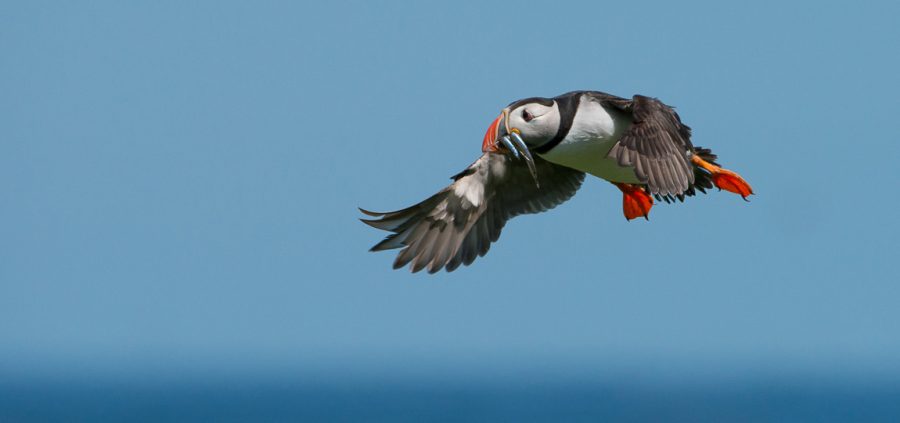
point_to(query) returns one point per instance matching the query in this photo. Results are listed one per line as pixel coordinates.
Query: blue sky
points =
(180, 184)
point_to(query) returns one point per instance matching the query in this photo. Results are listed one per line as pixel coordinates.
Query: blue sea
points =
(764, 399)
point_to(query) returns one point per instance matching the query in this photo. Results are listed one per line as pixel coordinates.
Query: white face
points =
(536, 122)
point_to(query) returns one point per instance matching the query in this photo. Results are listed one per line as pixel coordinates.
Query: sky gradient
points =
(180, 184)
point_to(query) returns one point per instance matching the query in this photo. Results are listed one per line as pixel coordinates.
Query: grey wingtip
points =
(369, 213)
(370, 222)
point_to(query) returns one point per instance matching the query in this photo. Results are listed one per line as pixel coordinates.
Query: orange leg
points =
(635, 201)
(724, 178)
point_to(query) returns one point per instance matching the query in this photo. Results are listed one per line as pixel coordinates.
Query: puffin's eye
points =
(527, 116)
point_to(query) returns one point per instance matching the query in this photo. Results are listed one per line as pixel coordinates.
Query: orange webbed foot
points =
(635, 201)
(732, 182)
(724, 178)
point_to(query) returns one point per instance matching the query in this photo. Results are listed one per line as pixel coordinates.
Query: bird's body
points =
(586, 145)
(640, 145)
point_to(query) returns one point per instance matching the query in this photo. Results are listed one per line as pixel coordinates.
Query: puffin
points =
(535, 156)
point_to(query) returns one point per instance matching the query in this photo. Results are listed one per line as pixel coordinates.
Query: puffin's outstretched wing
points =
(656, 144)
(461, 221)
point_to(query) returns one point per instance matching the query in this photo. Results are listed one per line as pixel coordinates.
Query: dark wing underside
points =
(460, 222)
(657, 145)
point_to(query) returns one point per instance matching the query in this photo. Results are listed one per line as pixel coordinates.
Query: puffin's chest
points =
(594, 132)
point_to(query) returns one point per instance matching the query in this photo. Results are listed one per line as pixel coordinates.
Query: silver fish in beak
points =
(510, 141)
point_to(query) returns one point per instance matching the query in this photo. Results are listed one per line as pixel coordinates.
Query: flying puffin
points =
(535, 156)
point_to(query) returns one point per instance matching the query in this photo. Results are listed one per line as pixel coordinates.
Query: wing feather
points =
(657, 144)
(459, 223)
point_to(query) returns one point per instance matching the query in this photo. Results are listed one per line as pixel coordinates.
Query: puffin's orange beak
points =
(489, 144)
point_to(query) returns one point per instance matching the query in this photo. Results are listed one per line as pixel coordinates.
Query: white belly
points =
(594, 132)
